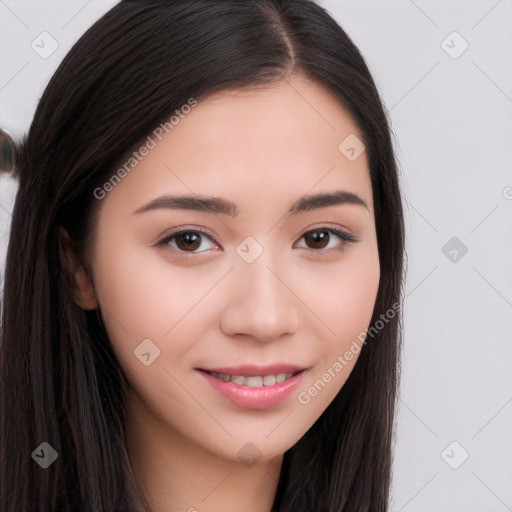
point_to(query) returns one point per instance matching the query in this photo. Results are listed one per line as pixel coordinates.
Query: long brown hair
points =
(60, 382)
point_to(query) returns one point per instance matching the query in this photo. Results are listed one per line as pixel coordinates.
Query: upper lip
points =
(248, 370)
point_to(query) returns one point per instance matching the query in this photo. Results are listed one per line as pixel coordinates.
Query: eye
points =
(323, 239)
(187, 240)
(193, 241)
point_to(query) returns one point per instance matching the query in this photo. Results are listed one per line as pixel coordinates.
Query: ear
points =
(77, 275)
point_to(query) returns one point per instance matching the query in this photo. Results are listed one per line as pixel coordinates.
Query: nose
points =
(261, 303)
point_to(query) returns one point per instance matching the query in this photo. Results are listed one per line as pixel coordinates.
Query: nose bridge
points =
(260, 304)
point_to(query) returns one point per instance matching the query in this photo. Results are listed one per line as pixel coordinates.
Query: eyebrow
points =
(211, 204)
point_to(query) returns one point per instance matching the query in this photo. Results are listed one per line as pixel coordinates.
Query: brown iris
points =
(319, 238)
(188, 240)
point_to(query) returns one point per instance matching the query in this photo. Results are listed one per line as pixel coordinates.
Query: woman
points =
(205, 270)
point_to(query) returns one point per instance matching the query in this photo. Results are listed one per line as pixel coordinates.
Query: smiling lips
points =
(253, 386)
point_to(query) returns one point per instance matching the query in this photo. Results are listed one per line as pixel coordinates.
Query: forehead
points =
(282, 139)
(280, 107)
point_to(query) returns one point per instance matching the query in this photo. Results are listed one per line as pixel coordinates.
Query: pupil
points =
(189, 240)
(318, 237)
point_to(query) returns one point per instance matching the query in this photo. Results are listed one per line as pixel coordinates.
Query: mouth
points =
(254, 386)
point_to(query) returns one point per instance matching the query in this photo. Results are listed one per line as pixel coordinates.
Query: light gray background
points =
(451, 113)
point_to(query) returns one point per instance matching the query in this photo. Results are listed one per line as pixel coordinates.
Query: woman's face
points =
(280, 281)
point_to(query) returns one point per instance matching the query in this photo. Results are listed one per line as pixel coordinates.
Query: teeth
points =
(253, 382)
(281, 377)
(269, 380)
(256, 381)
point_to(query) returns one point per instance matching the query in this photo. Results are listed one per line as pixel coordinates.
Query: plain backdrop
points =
(444, 73)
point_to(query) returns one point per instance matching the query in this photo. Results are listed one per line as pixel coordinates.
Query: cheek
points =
(343, 296)
(345, 307)
(142, 296)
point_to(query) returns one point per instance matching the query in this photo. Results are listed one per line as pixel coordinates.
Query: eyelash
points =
(346, 237)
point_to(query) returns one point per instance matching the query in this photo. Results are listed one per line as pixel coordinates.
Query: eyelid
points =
(334, 228)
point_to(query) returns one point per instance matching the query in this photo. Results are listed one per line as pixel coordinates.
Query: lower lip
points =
(262, 397)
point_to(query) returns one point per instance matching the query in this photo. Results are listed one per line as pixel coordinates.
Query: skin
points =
(262, 149)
